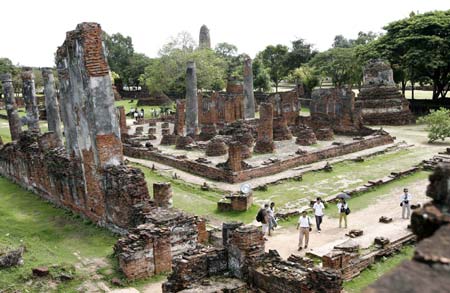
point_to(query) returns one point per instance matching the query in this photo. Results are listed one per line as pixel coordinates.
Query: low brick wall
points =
(244, 175)
(35, 164)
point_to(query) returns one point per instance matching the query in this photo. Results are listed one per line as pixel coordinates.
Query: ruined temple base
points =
(169, 139)
(280, 129)
(264, 147)
(324, 134)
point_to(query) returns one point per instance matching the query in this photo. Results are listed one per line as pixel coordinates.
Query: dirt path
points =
(285, 240)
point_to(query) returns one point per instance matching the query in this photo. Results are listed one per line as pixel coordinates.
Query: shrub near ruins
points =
(438, 124)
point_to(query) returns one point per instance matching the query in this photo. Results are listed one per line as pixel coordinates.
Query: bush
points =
(438, 124)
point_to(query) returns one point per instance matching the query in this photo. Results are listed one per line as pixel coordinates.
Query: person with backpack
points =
(405, 203)
(343, 212)
(263, 218)
(304, 224)
(318, 208)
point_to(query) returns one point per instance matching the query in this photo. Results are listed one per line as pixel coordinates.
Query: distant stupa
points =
(204, 38)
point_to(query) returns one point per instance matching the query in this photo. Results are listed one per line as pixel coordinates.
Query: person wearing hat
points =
(304, 224)
(405, 203)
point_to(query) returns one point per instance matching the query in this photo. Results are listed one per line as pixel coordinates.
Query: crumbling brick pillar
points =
(162, 194)
(122, 121)
(249, 98)
(87, 99)
(162, 250)
(180, 117)
(264, 142)
(29, 96)
(234, 156)
(15, 126)
(191, 100)
(52, 105)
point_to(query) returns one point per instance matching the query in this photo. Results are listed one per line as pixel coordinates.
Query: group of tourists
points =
(266, 216)
(136, 114)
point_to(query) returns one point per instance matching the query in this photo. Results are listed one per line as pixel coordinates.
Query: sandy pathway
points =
(285, 240)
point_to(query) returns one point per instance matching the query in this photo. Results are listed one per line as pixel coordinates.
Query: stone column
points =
(264, 142)
(204, 41)
(180, 117)
(90, 123)
(29, 97)
(15, 127)
(52, 105)
(162, 194)
(122, 121)
(234, 156)
(249, 98)
(191, 100)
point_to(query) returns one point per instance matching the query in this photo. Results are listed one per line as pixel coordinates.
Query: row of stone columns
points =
(31, 103)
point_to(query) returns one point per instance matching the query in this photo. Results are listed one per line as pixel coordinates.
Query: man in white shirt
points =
(318, 208)
(405, 203)
(304, 224)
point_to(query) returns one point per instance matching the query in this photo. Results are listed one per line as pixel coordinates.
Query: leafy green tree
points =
(299, 54)
(234, 61)
(136, 67)
(274, 59)
(341, 64)
(438, 124)
(261, 77)
(120, 50)
(420, 46)
(307, 76)
(363, 38)
(167, 73)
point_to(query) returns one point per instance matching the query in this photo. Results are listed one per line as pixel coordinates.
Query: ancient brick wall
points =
(287, 105)
(243, 175)
(335, 108)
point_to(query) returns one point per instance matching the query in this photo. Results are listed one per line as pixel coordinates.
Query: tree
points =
(438, 124)
(261, 77)
(136, 67)
(182, 41)
(120, 50)
(234, 62)
(167, 73)
(274, 59)
(341, 64)
(420, 46)
(300, 53)
(363, 38)
(307, 77)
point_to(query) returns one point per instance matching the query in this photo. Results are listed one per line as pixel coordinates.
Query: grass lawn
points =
(51, 237)
(6, 135)
(370, 275)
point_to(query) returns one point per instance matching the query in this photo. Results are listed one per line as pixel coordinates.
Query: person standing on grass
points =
(272, 221)
(304, 224)
(343, 212)
(405, 203)
(318, 208)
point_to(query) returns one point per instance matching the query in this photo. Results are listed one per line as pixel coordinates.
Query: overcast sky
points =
(32, 30)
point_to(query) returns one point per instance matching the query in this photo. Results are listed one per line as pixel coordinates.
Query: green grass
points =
(370, 275)
(51, 237)
(345, 175)
(147, 109)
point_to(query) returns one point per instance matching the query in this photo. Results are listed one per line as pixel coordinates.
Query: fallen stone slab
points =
(40, 271)
(11, 258)
(385, 220)
(355, 233)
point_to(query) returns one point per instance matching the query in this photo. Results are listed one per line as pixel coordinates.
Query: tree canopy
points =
(274, 59)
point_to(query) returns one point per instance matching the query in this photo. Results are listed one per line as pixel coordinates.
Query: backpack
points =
(260, 216)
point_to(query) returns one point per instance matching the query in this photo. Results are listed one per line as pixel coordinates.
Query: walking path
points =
(285, 240)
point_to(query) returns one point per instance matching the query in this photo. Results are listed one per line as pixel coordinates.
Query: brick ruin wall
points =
(243, 175)
(287, 105)
(53, 175)
(335, 108)
(241, 256)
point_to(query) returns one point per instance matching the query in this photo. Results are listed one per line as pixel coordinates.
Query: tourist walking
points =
(263, 218)
(136, 115)
(304, 225)
(318, 208)
(405, 203)
(343, 212)
(272, 221)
